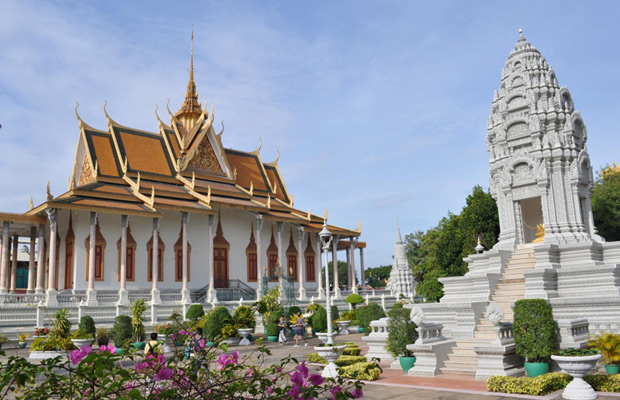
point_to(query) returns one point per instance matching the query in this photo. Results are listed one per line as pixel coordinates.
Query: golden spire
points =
(190, 109)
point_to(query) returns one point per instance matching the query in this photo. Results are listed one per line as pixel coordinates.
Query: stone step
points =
(458, 359)
(463, 370)
(462, 351)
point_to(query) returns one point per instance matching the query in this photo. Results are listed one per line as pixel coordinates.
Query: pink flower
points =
(303, 369)
(163, 374)
(173, 336)
(109, 348)
(335, 390)
(201, 344)
(294, 392)
(224, 359)
(357, 393)
(249, 372)
(78, 354)
(130, 385)
(87, 391)
(142, 367)
(316, 379)
(296, 378)
(235, 357)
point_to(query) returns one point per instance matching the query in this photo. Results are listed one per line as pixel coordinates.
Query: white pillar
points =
(347, 252)
(319, 269)
(259, 255)
(14, 264)
(185, 294)
(300, 262)
(123, 294)
(281, 256)
(41, 260)
(31, 265)
(363, 274)
(4, 267)
(51, 294)
(211, 226)
(91, 293)
(335, 267)
(353, 278)
(155, 295)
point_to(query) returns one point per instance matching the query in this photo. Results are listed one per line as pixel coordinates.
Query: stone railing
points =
(573, 333)
(68, 298)
(21, 299)
(171, 297)
(377, 340)
(107, 297)
(505, 333)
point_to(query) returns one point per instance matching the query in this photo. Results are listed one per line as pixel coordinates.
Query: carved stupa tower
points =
(539, 164)
(401, 277)
(190, 109)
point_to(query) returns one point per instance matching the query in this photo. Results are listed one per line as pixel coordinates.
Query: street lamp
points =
(326, 240)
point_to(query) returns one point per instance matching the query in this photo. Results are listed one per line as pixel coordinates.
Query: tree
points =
(605, 200)
(376, 277)
(342, 273)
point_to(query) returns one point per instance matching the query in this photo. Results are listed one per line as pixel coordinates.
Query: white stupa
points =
(401, 278)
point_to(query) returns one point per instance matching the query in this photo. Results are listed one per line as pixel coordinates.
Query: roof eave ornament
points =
(31, 203)
(292, 200)
(251, 188)
(48, 192)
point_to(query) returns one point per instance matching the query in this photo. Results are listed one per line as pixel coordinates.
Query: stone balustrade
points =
(505, 334)
(20, 299)
(377, 340)
(573, 333)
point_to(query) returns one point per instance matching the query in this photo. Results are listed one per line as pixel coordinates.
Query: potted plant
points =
(218, 318)
(354, 299)
(41, 332)
(121, 331)
(330, 353)
(608, 344)
(535, 334)
(367, 314)
(194, 312)
(577, 362)
(52, 347)
(22, 339)
(61, 325)
(87, 324)
(319, 324)
(272, 331)
(3, 340)
(82, 338)
(401, 332)
(103, 337)
(137, 309)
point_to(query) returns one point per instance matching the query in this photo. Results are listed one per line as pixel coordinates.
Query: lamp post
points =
(326, 240)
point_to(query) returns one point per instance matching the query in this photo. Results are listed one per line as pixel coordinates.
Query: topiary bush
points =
(87, 324)
(402, 331)
(272, 330)
(395, 307)
(315, 358)
(61, 325)
(121, 330)
(194, 312)
(534, 330)
(354, 299)
(538, 386)
(343, 360)
(244, 317)
(367, 371)
(366, 314)
(335, 313)
(217, 319)
(319, 320)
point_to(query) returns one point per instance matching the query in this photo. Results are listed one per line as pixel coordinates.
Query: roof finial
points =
(521, 38)
(191, 62)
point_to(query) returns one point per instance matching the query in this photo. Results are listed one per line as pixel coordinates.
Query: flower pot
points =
(139, 345)
(82, 342)
(331, 354)
(322, 336)
(272, 339)
(161, 337)
(42, 355)
(406, 363)
(612, 369)
(577, 367)
(535, 369)
(360, 329)
(232, 341)
(119, 351)
(245, 332)
(342, 327)
(22, 345)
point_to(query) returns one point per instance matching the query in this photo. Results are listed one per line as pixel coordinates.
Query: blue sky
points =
(379, 109)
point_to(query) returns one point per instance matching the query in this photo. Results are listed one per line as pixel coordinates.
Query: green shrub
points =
(315, 358)
(399, 313)
(294, 310)
(366, 314)
(217, 319)
(61, 326)
(367, 371)
(194, 312)
(402, 331)
(335, 313)
(137, 309)
(534, 329)
(609, 346)
(244, 317)
(577, 352)
(354, 299)
(103, 336)
(52, 344)
(353, 350)
(344, 361)
(87, 324)
(319, 320)
(348, 316)
(396, 306)
(121, 330)
(3, 339)
(539, 386)
(272, 330)
(604, 383)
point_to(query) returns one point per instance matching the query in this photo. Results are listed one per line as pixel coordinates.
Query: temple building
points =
(155, 214)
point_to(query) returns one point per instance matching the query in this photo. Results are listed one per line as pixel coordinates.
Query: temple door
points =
(220, 266)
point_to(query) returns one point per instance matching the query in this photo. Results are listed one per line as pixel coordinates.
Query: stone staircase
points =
(511, 287)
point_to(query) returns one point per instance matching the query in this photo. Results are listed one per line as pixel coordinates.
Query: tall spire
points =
(191, 108)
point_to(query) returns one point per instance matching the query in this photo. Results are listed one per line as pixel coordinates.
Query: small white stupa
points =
(401, 278)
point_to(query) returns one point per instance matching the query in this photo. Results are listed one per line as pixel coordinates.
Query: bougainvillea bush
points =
(211, 373)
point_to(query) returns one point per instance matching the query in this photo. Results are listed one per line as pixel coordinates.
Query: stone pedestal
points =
(155, 297)
(430, 357)
(377, 341)
(123, 298)
(51, 298)
(497, 359)
(91, 298)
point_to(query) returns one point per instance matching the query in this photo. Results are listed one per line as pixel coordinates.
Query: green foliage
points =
(366, 314)
(335, 313)
(342, 273)
(539, 386)
(52, 344)
(534, 329)
(137, 309)
(377, 277)
(319, 320)
(343, 360)
(272, 329)
(348, 316)
(402, 331)
(61, 326)
(605, 198)
(103, 336)
(312, 307)
(194, 312)
(573, 352)
(121, 330)
(294, 310)
(3, 339)
(244, 317)
(604, 383)
(87, 324)
(82, 334)
(217, 319)
(366, 371)
(352, 351)
(608, 344)
(315, 358)
(354, 299)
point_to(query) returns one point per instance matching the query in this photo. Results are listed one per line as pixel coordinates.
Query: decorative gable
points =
(205, 158)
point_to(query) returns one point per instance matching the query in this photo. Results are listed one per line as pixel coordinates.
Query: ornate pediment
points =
(205, 158)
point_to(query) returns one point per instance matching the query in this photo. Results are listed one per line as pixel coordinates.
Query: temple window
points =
(310, 266)
(130, 261)
(178, 258)
(160, 259)
(100, 244)
(252, 259)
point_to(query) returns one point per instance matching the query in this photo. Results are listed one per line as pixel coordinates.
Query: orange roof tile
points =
(275, 180)
(249, 170)
(144, 152)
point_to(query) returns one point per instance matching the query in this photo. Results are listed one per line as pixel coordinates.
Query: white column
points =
(41, 260)
(14, 264)
(155, 295)
(259, 255)
(335, 267)
(185, 294)
(31, 265)
(281, 256)
(51, 298)
(212, 293)
(123, 294)
(347, 252)
(363, 274)
(319, 269)
(91, 293)
(300, 262)
(4, 266)
(353, 278)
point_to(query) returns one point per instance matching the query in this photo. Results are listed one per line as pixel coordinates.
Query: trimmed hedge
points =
(217, 319)
(194, 312)
(315, 358)
(344, 361)
(87, 324)
(534, 329)
(352, 351)
(319, 320)
(539, 386)
(366, 314)
(367, 371)
(604, 383)
(121, 330)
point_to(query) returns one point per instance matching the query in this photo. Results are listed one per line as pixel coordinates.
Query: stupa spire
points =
(190, 109)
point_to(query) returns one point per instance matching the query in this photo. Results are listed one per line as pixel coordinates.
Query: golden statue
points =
(540, 233)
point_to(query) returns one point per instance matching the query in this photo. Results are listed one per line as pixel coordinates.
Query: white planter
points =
(42, 355)
(245, 332)
(161, 337)
(82, 342)
(577, 367)
(232, 341)
(322, 337)
(342, 327)
(331, 354)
